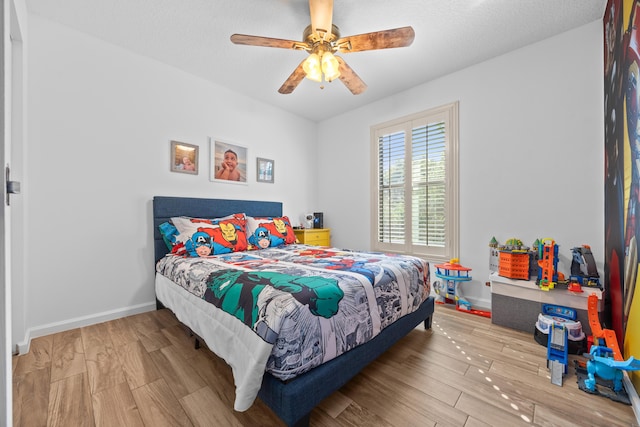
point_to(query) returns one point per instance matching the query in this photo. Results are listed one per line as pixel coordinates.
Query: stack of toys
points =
(514, 260)
(557, 327)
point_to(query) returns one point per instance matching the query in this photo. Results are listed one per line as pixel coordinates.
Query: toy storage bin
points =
(514, 265)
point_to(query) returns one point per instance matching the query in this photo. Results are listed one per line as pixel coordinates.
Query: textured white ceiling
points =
(193, 35)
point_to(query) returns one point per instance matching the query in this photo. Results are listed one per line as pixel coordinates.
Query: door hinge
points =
(13, 187)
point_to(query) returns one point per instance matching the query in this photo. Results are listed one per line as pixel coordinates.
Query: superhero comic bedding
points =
(289, 309)
(306, 305)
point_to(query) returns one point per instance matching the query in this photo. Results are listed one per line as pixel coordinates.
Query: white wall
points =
(531, 153)
(100, 121)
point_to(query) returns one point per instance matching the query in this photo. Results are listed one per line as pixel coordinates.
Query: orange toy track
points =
(609, 335)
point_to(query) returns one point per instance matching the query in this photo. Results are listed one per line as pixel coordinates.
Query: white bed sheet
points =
(239, 346)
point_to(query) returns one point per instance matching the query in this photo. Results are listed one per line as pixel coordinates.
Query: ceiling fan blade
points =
(321, 12)
(294, 80)
(267, 42)
(397, 37)
(351, 80)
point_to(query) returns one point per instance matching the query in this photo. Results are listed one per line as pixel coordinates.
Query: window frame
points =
(449, 115)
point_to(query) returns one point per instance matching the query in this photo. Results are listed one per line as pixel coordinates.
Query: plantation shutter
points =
(415, 207)
(428, 215)
(391, 154)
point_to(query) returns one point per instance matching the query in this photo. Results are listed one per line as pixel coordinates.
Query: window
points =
(415, 184)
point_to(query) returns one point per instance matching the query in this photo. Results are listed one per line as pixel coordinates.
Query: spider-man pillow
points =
(198, 237)
(269, 232)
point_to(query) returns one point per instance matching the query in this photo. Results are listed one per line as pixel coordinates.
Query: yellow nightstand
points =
(314, 236)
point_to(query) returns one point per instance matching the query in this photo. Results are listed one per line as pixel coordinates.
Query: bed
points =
(292, 394)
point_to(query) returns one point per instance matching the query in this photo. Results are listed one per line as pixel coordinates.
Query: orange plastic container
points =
(514, 265)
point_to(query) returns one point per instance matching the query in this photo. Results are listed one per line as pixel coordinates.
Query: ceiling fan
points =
(321, 40)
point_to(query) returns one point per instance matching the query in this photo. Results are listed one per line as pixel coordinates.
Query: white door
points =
(5, 296)
(14, 160)
(11, 131)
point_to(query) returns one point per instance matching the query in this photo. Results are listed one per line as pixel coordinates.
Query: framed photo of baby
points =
(184, 157)
(228, 162)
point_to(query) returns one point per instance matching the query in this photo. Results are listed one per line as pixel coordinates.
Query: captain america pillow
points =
(274, 230)
(198, 237)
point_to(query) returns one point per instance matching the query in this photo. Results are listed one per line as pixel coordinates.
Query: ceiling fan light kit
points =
(321, 64)
(330, 67)
(322, 43)
(311, 67)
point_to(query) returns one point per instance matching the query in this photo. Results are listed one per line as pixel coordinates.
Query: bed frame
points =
(292, 400)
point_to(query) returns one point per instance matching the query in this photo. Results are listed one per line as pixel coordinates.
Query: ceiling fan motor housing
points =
(312, 38)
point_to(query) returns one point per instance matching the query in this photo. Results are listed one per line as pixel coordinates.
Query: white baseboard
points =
(633, 396)
(78, 322)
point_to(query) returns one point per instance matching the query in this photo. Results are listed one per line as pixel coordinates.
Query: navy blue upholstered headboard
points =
(166, 207)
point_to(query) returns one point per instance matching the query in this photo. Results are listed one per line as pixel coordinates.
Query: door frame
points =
(12, 117)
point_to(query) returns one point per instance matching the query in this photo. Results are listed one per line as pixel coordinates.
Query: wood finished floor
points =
(143, 370)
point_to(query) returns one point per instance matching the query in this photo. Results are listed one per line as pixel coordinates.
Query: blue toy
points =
(602, 364)
(557, 353)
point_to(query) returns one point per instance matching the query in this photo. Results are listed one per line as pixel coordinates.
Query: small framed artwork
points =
(228, 162)
(264, 170)
(184, 157)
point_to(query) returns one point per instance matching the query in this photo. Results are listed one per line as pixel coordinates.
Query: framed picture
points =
(228, 162)
(264, 170)
(184, 157)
